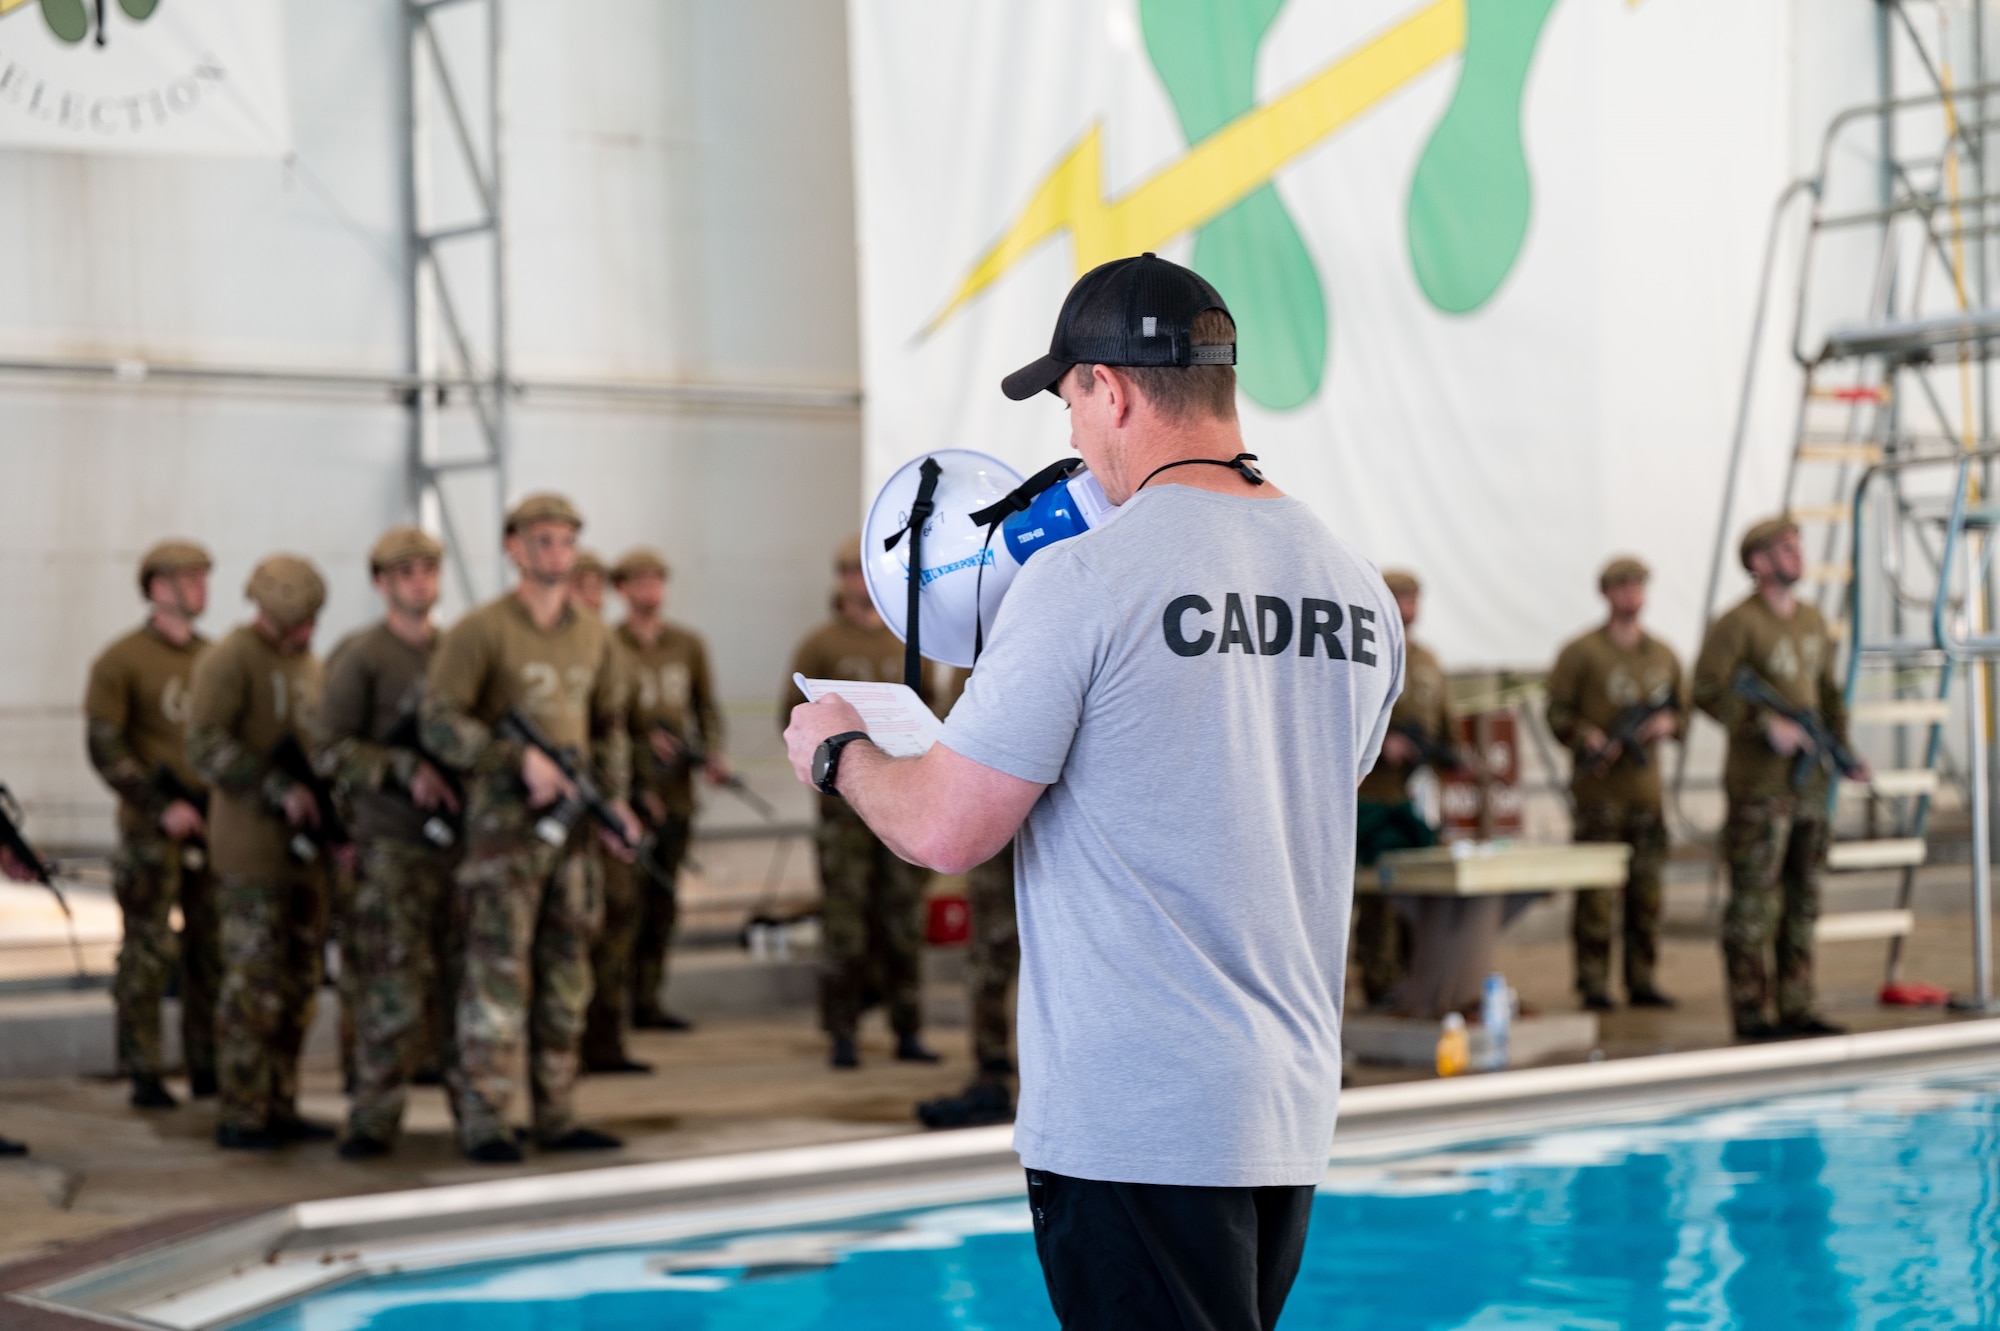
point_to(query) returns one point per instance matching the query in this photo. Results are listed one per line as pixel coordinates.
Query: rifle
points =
(441, 829)
(168, 788)
(290, 758)
(1625, 728)
(16, 845)
(560, 819)
(1440, 755)
(1827, 747)
(693, 757)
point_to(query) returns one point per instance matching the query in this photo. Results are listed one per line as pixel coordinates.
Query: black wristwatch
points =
(826, 759)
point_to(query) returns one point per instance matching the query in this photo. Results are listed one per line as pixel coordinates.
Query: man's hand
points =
(429, 790)
(656, 808)
(717, 769)
(182, 821)
(13, 868)
(301, 809)
(665, 747)
(815, 722)
(545, 781)
(1787, 737)
(1659, 726)
(1397, 747)
(1598, 747)
(626, 850)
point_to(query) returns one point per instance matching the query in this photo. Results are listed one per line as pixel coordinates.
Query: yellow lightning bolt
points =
(1220, 170)
(7, 6)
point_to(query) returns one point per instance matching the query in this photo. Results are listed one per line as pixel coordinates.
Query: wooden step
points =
(1899, 712)
(1892, 785)
(1869, 453)
(1851, 394)
(1839, 514)
(1855, 926)
(1888, 853)
(1835, 574)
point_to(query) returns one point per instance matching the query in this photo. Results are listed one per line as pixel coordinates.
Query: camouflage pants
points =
(1596, 914)
(994, 960)
(529, 913)
(1774, 847)
(658, 903)
(149, 877)
(872, 940)
(272, 931)
(395, 940)
(1382, 939)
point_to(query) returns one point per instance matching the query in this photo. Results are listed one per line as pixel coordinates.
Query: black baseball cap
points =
(1127, 312)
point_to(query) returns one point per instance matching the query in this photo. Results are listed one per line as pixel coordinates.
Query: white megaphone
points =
(985, 522)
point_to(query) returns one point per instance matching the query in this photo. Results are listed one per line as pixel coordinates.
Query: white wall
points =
(680, 203)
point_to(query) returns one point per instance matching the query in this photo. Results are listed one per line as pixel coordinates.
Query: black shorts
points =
(1161, 1255)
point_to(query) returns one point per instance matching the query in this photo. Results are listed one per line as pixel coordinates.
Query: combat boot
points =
(149, 1093)
(979, 1105)
(909, 1049)
(842, 1054)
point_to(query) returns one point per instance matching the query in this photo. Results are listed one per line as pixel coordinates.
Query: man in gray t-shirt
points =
(1172, 712)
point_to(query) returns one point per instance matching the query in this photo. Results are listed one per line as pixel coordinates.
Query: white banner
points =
(144, 76)
(1492, 261)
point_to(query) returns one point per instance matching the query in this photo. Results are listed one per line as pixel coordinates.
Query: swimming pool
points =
(1877, 1206)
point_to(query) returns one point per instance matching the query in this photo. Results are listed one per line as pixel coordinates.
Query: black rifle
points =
(1827, 747)
(16, 845)
(167, 787)
(557, 822)
(1440, 755)
(1625, 728)
(290, 758)
(441, 827)
(692, 757)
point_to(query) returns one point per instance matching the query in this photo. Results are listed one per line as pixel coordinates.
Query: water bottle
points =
(1496, 1013)
(1454, 1048)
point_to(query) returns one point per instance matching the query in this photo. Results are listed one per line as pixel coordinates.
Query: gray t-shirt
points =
(1200, 683)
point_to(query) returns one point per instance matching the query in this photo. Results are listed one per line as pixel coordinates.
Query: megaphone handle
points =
(920, 513)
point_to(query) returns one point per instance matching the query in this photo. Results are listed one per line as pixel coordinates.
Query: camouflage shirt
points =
(565, 678)
(1425, 705)
(135, 721)
(1595, 680)
(670, 684)
(373, 679)
(1796, 657)
(247, 695)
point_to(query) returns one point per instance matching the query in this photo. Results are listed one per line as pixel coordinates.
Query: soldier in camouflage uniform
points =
(135, 711)
(1774, 840)
(250, 691)
(673, 713)
(871, 928)
(1385, 819)
(529, 909)
(1616, 785)
(396, 933)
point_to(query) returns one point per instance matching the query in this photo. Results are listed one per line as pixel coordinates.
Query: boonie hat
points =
(1401, 582)
(401, 544)
(588, 562)
(1763, 534)
(544, 507)
(848, 554)
(172, 557)
(1623, 569)
(288, 589)
(1138, 312)
(637, 562)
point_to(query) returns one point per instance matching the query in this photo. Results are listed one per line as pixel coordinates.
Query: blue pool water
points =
(1871, 1208)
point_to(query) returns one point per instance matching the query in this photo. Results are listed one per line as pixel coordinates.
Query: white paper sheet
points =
(898, 721)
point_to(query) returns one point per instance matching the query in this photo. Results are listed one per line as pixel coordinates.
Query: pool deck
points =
(736, 1085)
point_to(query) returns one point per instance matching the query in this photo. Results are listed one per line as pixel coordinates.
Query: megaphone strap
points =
(921, 509)
(1240, 464)
(1022, 495)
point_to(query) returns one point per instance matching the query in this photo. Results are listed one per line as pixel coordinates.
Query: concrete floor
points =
(752, 1083)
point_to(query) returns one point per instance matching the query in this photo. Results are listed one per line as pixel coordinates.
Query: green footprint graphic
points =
(67, 19)
(1470, 199)
(1206, 55)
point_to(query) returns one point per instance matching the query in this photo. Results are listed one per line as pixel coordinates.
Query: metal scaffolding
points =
(456, 239)
(1892, 455)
